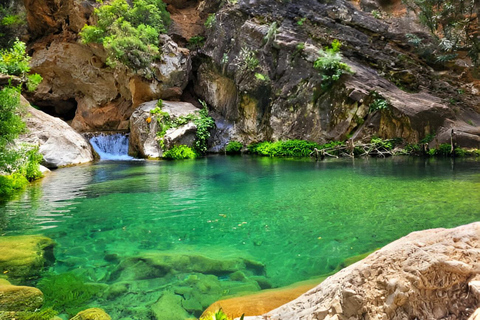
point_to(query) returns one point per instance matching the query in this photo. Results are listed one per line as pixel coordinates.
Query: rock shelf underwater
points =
(158, 240)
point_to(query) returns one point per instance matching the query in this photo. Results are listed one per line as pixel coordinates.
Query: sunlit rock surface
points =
(428, 274)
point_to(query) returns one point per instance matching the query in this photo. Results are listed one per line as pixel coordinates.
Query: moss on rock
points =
(19, 298)
(23, 257)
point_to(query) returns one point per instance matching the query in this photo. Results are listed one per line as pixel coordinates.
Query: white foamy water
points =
(111, 146)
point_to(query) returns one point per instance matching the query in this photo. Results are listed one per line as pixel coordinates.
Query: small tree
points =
(454, 23)
(129, 33)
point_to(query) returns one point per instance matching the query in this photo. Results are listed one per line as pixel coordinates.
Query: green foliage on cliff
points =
(330, 65)
(453, 23)
(288, 148)
(11, 25)
(180, 152)
(18, 162)
(233, 147)
(129, 33)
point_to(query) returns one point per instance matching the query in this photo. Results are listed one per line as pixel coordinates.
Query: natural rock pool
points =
(169, 238)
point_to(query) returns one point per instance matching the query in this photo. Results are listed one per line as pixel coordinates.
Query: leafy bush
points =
(14, 61)
(12, 24)
(204, 124)
(196, 42)
(180, 152)
(288, 148)
(378, 105)
(233, 147)
(129, 33)
(330, 65)
(11, 183)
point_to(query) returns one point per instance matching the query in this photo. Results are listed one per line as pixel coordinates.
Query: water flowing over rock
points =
(59, 144)
(144, 127)
(432, 274)
(111, 146)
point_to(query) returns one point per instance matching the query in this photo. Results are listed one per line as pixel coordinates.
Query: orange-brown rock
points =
(263, 301)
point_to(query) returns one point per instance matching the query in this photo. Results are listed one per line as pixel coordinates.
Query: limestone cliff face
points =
(287, 101)
(281, 97)
(78, 86)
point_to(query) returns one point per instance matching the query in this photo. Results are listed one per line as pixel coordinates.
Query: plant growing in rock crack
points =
(129, 32)
(248, 59)
(202, 121)
(271, 33)
(330, 65)
(211, 20)
(452, 23)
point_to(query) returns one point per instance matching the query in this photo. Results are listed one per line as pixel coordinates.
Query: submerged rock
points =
(23, 257)
(169, 307)
(59, 144)
(159, 264)
(92, 314)
(144, 128)
(429, 274)
(264, 301)
(20, 298)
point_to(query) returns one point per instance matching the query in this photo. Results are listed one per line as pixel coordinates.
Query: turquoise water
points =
(298, 218)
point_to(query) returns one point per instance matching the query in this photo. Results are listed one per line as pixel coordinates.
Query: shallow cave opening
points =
(63, 109)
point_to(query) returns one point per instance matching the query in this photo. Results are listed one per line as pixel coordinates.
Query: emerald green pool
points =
(299, 218)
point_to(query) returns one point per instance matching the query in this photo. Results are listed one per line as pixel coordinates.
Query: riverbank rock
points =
(20, 298)
(429, 274)
(92, 314)
(144, 127)
(23, 257)
(59, 144)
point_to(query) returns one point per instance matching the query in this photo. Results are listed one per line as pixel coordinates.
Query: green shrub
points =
(444, 149)
(330, 65)
(378, 105)
(10, 184)
(204, 124)
(288, 148)
(234, 147)
(66, 293)
(196, 42)
(129, 33)
(180, 152)
(248, 59)
(14, 61)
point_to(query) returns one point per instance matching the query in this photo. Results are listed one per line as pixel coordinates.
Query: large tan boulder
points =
(23, 257)
(144, 127)
(20, 298)
(59, 144)
(426, 275)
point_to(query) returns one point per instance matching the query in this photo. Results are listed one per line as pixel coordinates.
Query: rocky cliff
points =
(256, 72)
(281, 97)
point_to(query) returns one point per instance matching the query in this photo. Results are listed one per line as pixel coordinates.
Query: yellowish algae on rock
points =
(23, 257)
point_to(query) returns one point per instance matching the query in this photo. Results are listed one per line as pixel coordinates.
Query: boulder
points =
(59, 144)
(158, 264)
(169, 307)
(429, 274)
(144, 127)
(92, 314)
(19, 298)
(23, 257)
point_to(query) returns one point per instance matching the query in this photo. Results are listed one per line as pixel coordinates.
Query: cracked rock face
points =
(430, 274)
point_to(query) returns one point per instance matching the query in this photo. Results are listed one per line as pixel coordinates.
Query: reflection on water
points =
(298, 217)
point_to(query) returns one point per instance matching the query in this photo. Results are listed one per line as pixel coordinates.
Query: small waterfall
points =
(111, 146)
